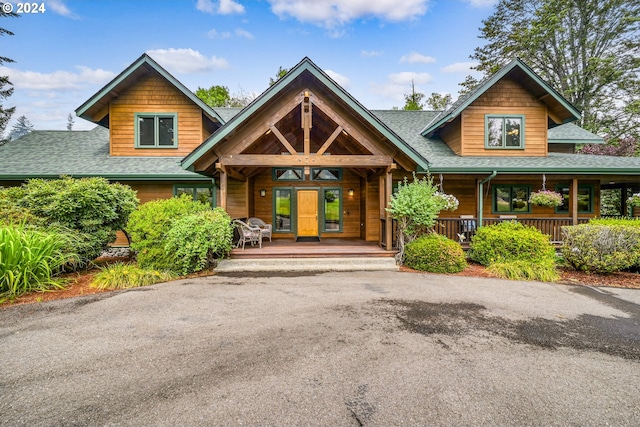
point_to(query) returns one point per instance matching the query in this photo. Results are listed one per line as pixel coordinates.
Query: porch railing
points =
(463, 229)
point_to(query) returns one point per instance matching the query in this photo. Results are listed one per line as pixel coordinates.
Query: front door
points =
(307, 213)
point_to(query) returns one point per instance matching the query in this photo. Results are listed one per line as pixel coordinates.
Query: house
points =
(311, 160)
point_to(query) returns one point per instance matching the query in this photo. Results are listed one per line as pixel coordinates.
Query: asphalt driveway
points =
(370, 348)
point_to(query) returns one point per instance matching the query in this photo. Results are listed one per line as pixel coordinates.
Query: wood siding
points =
(505, 97)
(263, 206)
(153, 94)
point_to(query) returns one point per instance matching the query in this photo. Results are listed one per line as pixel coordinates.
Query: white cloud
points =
(417, 58)
(339, 78)
(370, 53)
(406, 77)
(331, 13)
(392, 92)
(58, 6)
(481, 3)
(214, 34)
(222, 7)
(459, 67)
(243, 33)
(57, 80)
(187, 61)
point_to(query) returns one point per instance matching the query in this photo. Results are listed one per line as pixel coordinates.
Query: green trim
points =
(488, 117)
(142, 61)
(156, 129)
(292, 205)
(339, 170)
(194, 193)
(589, 187)
(111, 177)
(575, 141)
(275, 178)
(510, 188)
(340, 191)
(488, 83)
(306, 65)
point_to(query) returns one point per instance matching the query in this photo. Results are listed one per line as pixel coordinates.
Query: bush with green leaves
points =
(198, 240)
(125, 276)
(510, 241)
(415, 206)
(604, 246)
(148, 227)
(93, 207)
(436, 254)
(30, 260)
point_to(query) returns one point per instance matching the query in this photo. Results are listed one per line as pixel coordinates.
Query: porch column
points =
(223, 189)
(574, 201)
(388, 189)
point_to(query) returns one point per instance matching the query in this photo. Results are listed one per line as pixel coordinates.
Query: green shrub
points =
(599, 248)
(630, 222)
(92, 206)
(510, 241)
(148, 227)
(197, 240)
(29, 260)
(525, 270)
(436, 254)
(125, 276)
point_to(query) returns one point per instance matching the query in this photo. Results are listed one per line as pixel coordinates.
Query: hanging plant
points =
(634, 200)
(546, 197)
(449, 201)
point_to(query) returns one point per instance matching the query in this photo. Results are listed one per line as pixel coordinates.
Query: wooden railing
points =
(462, 229)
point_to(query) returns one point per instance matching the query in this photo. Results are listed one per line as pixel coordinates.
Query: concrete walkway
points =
(307, 264)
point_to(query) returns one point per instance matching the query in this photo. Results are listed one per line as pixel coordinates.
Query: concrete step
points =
(308, 264)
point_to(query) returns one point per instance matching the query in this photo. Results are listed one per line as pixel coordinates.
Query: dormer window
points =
(156, 130)
(504, 131)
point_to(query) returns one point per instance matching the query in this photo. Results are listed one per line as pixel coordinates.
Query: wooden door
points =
(307, 213)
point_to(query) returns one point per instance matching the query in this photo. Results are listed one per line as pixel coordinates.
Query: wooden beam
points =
(574, 201)
(383, 212)
(388, 179)
(329, 141)
(251, 136)
(306, 122)
(223, 190)
(358, 136)
(267, 160)
(283, 140)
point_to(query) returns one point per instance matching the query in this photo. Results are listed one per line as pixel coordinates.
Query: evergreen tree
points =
(6, 88)
(438, 101)
(21, 127)
(414, 99)
(70, 122)
(588, 50)
(280, 74)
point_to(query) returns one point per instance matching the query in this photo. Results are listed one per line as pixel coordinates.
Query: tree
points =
(21, 127)
(438, 101)
(469, 84)
(215, 96)
(588, 50)
(70, 122)
(5, 92)
(280, 74)
(414, 99)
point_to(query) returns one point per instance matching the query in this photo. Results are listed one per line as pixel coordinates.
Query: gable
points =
(312, 121)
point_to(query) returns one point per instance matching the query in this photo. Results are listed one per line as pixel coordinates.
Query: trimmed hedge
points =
(436, 254)
(603, 246)
(510, 241)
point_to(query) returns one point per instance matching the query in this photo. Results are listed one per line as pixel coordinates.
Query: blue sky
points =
(373, 48)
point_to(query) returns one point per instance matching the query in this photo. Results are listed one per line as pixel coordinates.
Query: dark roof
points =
(570, 133)
(49, 154)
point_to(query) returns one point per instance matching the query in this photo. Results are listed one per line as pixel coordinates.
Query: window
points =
(511, 199)
(585, 198)
(201, 193)
(504, 132)
(282, 207)
(291, 174)
(156, 130)
(332, 209)
(328, 174)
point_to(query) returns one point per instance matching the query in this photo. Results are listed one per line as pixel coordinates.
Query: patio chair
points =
(247, 234)
(265, 228)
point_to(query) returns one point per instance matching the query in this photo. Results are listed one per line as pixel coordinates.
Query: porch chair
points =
(247, 234)
(265, 228)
